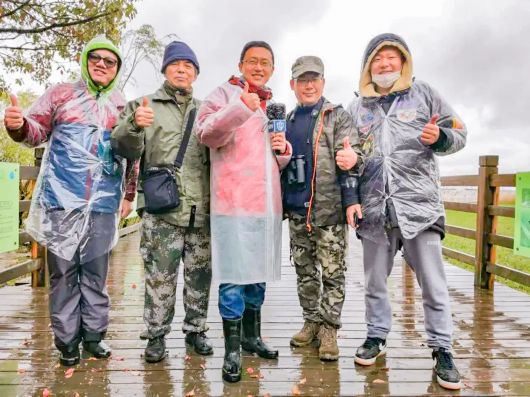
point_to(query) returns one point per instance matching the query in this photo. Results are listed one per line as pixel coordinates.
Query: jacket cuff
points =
(444, 142)
(350, 191)
(132, 122)
(20, 134)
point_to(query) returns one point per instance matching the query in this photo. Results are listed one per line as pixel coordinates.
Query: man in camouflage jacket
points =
(319, 197)
(152, 128)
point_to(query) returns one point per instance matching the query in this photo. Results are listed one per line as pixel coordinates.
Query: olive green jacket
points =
(158, 145)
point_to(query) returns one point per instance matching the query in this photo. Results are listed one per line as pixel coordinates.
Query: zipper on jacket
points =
(315, 158)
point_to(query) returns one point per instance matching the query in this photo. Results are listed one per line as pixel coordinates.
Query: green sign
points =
(522, 215)
(9, 206)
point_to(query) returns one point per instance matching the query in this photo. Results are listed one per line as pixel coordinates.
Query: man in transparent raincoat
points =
(76, 202)
(404, 124)
(246, 203)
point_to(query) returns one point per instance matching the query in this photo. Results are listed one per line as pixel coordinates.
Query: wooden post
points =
(486, 195)
(39, 278)
(494, 226)
(35, 273)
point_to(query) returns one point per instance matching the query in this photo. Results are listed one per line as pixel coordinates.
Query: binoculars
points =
(296, 170)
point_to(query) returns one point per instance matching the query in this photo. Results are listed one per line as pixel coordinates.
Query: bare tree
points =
(141, 45)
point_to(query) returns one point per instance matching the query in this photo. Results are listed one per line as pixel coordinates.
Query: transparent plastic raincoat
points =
(76, 201)
(246, 203)
(399, 167)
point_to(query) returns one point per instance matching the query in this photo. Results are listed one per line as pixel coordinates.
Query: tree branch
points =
(32, 49)
(54, 25)
(7, 14)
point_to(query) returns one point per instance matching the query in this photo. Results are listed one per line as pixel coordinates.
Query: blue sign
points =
(277, 126)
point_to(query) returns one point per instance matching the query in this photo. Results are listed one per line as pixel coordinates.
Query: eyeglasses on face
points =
(95, 58)
(307, 80)
(263, 62)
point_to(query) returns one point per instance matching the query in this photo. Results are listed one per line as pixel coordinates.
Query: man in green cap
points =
(320, 199)
(76, 203)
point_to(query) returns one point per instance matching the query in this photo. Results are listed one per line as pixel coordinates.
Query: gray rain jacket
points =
(399, 167)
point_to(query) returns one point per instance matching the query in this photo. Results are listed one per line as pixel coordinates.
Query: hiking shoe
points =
(155, 350)
(200, 342)
(306, 335)
(447, 374)
(370, 350)
(328, 350)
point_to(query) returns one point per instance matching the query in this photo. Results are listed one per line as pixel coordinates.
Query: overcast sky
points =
(474, 52)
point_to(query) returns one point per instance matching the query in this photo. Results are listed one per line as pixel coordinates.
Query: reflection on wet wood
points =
(491, 342)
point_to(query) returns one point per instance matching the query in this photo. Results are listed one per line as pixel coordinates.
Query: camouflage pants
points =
(321, 295)
(162, 246)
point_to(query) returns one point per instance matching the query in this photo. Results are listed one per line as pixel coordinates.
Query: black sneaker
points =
(447, 374)
(370, 350)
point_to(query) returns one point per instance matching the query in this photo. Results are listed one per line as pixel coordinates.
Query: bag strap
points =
(185, 139)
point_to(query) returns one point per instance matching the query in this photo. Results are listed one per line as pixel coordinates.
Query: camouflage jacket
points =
(330, 183)
(158, 145)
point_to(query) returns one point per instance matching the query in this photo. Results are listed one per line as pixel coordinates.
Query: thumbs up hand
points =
(346, 158)
(431, 131)
(144, 114)
(250, 99)
(14, 119)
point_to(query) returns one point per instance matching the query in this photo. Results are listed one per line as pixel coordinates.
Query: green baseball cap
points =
(307, 64)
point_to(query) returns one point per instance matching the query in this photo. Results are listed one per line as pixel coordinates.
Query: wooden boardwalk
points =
(491, 342)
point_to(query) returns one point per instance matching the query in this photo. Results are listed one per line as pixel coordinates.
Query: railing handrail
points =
(487, 208)
(488, 181)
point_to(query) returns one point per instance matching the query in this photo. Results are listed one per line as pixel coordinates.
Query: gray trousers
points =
(79, 303)
(424, 255)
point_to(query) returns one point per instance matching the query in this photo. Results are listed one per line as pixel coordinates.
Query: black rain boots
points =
(251, 340)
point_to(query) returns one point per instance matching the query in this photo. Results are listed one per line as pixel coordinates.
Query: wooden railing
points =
(37, 265)
(487, 208)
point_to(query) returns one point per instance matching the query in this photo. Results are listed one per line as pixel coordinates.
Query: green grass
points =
(505, 256)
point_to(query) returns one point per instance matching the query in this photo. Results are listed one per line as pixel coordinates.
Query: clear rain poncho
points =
(76, 201)
(399, 168)
(246, 203)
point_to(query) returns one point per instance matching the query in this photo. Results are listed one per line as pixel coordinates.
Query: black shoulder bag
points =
(160, 188)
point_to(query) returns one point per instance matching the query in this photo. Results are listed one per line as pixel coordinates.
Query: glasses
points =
(264, 62)
(95, 58)
(307, 80)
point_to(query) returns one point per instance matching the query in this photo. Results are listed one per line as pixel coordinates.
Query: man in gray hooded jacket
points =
(403, 125)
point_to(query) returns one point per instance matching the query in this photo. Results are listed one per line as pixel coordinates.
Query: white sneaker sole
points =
(370, 361)
(448, 385)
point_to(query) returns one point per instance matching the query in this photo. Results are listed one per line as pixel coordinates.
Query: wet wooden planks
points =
(491, 344)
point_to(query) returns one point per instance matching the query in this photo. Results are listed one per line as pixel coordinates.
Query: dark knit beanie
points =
(179, 50)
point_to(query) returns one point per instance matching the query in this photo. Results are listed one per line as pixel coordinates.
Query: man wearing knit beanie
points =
(158, 130)
(179, 50)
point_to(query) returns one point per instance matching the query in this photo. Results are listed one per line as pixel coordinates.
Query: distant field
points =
(505, 256)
